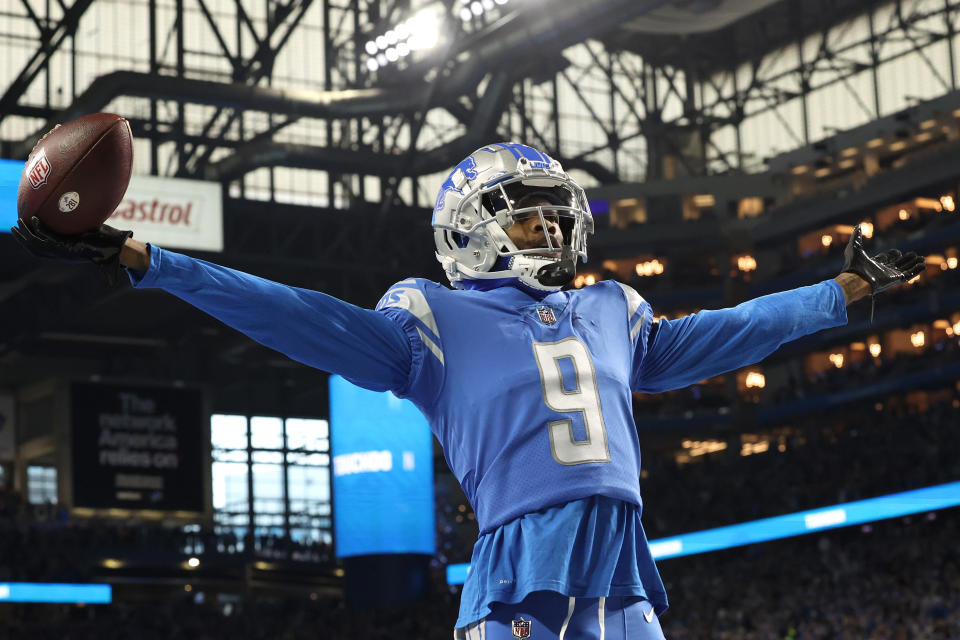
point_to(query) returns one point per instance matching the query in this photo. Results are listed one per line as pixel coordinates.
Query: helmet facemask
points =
(472, 230)
(517, 203)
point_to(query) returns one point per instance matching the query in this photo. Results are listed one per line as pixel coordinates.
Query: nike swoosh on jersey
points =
(648, 615)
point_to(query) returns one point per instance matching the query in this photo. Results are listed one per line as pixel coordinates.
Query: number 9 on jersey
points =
(583, 399)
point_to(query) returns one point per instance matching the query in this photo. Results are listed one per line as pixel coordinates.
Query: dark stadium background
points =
(728, 148)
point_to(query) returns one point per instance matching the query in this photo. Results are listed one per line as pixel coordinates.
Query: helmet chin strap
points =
(560, 272)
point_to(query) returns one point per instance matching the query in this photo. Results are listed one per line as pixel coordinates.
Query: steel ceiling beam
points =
(347, 103)
(50, 41)
(269, 153)
(250, 72)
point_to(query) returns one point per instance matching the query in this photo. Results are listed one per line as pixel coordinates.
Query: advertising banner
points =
(137, 447)
(382, 473)
(172, 213)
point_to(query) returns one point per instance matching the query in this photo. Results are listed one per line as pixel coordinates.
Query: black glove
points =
(883, 270)
(102, 247)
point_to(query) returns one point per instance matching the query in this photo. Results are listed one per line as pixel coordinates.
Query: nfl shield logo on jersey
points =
(546, 315)
(521, 628)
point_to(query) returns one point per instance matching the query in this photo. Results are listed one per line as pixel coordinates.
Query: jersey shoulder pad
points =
(639, 312)
(409, 302)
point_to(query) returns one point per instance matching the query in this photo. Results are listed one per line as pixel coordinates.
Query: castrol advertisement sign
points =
(172, 213)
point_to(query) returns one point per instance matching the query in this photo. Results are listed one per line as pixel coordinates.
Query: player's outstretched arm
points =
(684, 351)
(316, 329)
(308, 326)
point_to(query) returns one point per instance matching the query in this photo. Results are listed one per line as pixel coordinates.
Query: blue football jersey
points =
(529, 398)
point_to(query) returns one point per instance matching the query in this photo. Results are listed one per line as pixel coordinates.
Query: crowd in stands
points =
(869, 370)
(41, 542)
(891, 580)
(195, 618)
(852, 453)
(709, 400)
(695, 272)
(694, 400)
(902, 233)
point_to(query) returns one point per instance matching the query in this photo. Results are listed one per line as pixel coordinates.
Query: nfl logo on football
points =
(39, 170)
(521, 628)
(546, 315)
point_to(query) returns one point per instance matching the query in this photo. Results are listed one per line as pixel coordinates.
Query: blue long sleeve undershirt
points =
(705, 344)
(318, 330)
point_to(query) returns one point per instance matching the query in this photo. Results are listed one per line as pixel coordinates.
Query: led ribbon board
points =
(10, 171)
(56, 592)
(793, 524)
(382, 473)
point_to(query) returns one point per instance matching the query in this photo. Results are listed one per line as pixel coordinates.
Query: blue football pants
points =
(546, 615)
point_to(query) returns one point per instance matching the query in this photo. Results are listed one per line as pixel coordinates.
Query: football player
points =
(527, 385)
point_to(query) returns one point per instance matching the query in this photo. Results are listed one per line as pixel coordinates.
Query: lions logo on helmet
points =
(483, 196)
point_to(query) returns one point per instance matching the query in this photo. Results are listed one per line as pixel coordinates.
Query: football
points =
(77, 174)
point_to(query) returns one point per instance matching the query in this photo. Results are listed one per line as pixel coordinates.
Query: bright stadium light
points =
(875, 349)
(372, 64)
(421, 31)
(472, 9)
(424, 29)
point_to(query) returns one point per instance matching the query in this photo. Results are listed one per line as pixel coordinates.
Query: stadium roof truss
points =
(236, 90)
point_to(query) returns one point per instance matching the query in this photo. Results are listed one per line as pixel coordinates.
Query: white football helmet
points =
(476, 205)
